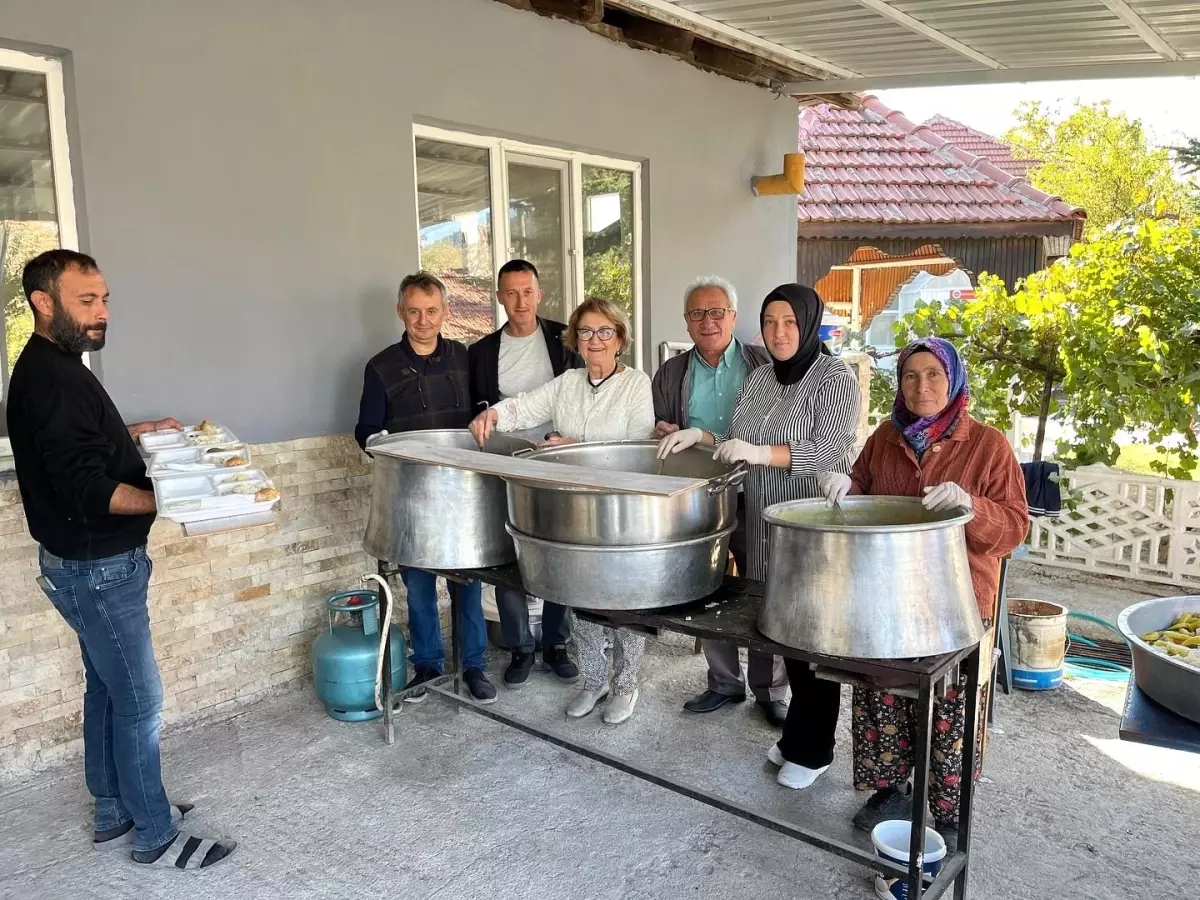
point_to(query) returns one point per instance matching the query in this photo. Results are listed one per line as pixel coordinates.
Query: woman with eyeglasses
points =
(605, 401)
(793, 421)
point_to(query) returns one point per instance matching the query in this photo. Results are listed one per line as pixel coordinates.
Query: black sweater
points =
(403, 391)
(71, 450)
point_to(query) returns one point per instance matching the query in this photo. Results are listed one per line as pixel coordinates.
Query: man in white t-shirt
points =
(526, 353)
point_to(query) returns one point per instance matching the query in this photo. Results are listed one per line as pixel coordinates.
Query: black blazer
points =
(484, 361)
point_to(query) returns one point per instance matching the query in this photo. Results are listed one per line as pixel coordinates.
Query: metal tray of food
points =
(1171, 679)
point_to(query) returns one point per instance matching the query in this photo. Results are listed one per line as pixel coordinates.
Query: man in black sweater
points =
(420, 383)
(90, 507)
(526, 353)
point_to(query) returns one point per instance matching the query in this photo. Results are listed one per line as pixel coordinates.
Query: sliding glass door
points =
(575, 216)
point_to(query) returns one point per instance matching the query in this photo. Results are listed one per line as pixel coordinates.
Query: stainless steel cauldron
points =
(584, 516)
(640, 576)
(881, 578)
(439, 517)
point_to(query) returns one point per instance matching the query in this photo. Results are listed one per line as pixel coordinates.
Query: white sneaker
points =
(798, 777)
(585, 701)
(774, 757)
(620, 708)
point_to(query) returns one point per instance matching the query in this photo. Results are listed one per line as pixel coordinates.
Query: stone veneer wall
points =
(233, 614)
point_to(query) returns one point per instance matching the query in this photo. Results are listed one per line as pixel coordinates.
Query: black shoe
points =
(518, 670)
(775, 711)
(559, 662)
(882, 806)
(479, 686)
(711, 701)
(949, 834)
(420, 676)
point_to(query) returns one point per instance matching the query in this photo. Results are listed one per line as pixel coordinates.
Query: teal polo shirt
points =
(714, 390)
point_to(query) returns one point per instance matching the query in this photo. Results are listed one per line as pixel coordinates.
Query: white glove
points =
(679, 440)
(375, 437)
(735, 450)
(834, 487)
(946, 495)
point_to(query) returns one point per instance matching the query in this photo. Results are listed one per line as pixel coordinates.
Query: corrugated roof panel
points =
(1175, 21)
(1017, 34)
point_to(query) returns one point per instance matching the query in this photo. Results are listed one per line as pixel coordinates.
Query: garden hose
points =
(1088, 617)
(1086, 666)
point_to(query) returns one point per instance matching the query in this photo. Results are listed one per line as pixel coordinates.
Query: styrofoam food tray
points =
(200, 498)
(197, 460)
(157, 441)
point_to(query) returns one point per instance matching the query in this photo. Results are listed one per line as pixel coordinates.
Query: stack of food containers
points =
(203, 474)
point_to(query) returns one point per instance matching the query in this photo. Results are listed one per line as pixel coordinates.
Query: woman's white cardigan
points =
(622, 409)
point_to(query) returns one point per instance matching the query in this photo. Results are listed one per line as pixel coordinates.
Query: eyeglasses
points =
(605, 333)
(716, 313)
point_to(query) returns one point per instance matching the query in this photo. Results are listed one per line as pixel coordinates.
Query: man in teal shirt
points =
(698, 390)
(715, 387)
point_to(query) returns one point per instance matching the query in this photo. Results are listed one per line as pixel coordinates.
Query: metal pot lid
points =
(863, 514)
(499, 443)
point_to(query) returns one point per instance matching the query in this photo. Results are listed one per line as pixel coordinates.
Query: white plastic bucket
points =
(891, 841)
(1037, 636)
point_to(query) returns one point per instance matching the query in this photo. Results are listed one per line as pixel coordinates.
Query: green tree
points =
(1109, 338)
(1188, 156)
(19, 243)
(1100, 160)
(608, 252)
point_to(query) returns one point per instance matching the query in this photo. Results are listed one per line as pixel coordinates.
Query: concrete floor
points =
(462, 808)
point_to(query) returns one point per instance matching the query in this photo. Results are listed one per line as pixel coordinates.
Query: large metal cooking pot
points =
(439, 517)
(879, 578)
(1168, 680)
(585, 516)
(639, 576)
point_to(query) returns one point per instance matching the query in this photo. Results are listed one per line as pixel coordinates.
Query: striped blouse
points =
(817, 418)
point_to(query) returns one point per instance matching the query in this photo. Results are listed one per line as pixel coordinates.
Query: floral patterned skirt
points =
(885, 732)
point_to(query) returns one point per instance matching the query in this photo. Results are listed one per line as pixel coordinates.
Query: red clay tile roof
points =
(877, 286)
(874, 165)
(471, 312)
(966, 138)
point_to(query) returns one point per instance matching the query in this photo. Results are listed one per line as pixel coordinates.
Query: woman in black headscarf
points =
(794, 420)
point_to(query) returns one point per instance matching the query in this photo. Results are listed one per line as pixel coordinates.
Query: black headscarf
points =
(808, 309)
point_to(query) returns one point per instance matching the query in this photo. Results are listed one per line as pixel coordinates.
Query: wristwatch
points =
(550, 435)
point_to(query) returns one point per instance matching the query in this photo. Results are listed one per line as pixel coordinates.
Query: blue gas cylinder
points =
(345, 657)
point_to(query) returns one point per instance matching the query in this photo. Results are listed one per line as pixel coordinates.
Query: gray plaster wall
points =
(246, 170)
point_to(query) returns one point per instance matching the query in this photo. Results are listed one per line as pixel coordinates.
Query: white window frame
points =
(499, 150)
(60, 156)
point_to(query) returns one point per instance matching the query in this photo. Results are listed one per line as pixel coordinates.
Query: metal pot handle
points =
(729, 480)
(373, 440)
(524, 451)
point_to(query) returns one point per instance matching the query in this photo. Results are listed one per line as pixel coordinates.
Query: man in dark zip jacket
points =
(525, 354)
(419, 383)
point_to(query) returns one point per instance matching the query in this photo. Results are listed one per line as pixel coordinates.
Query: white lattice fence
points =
(1127, 525)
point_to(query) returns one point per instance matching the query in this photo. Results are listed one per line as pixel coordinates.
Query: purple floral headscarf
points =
(923, 433)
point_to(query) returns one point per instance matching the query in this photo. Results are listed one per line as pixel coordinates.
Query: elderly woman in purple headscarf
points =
(932, 448)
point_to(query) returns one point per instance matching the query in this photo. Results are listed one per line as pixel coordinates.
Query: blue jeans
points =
(425, 631)
(104, 602)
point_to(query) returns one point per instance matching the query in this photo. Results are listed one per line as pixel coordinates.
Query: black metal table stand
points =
(738, 600)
